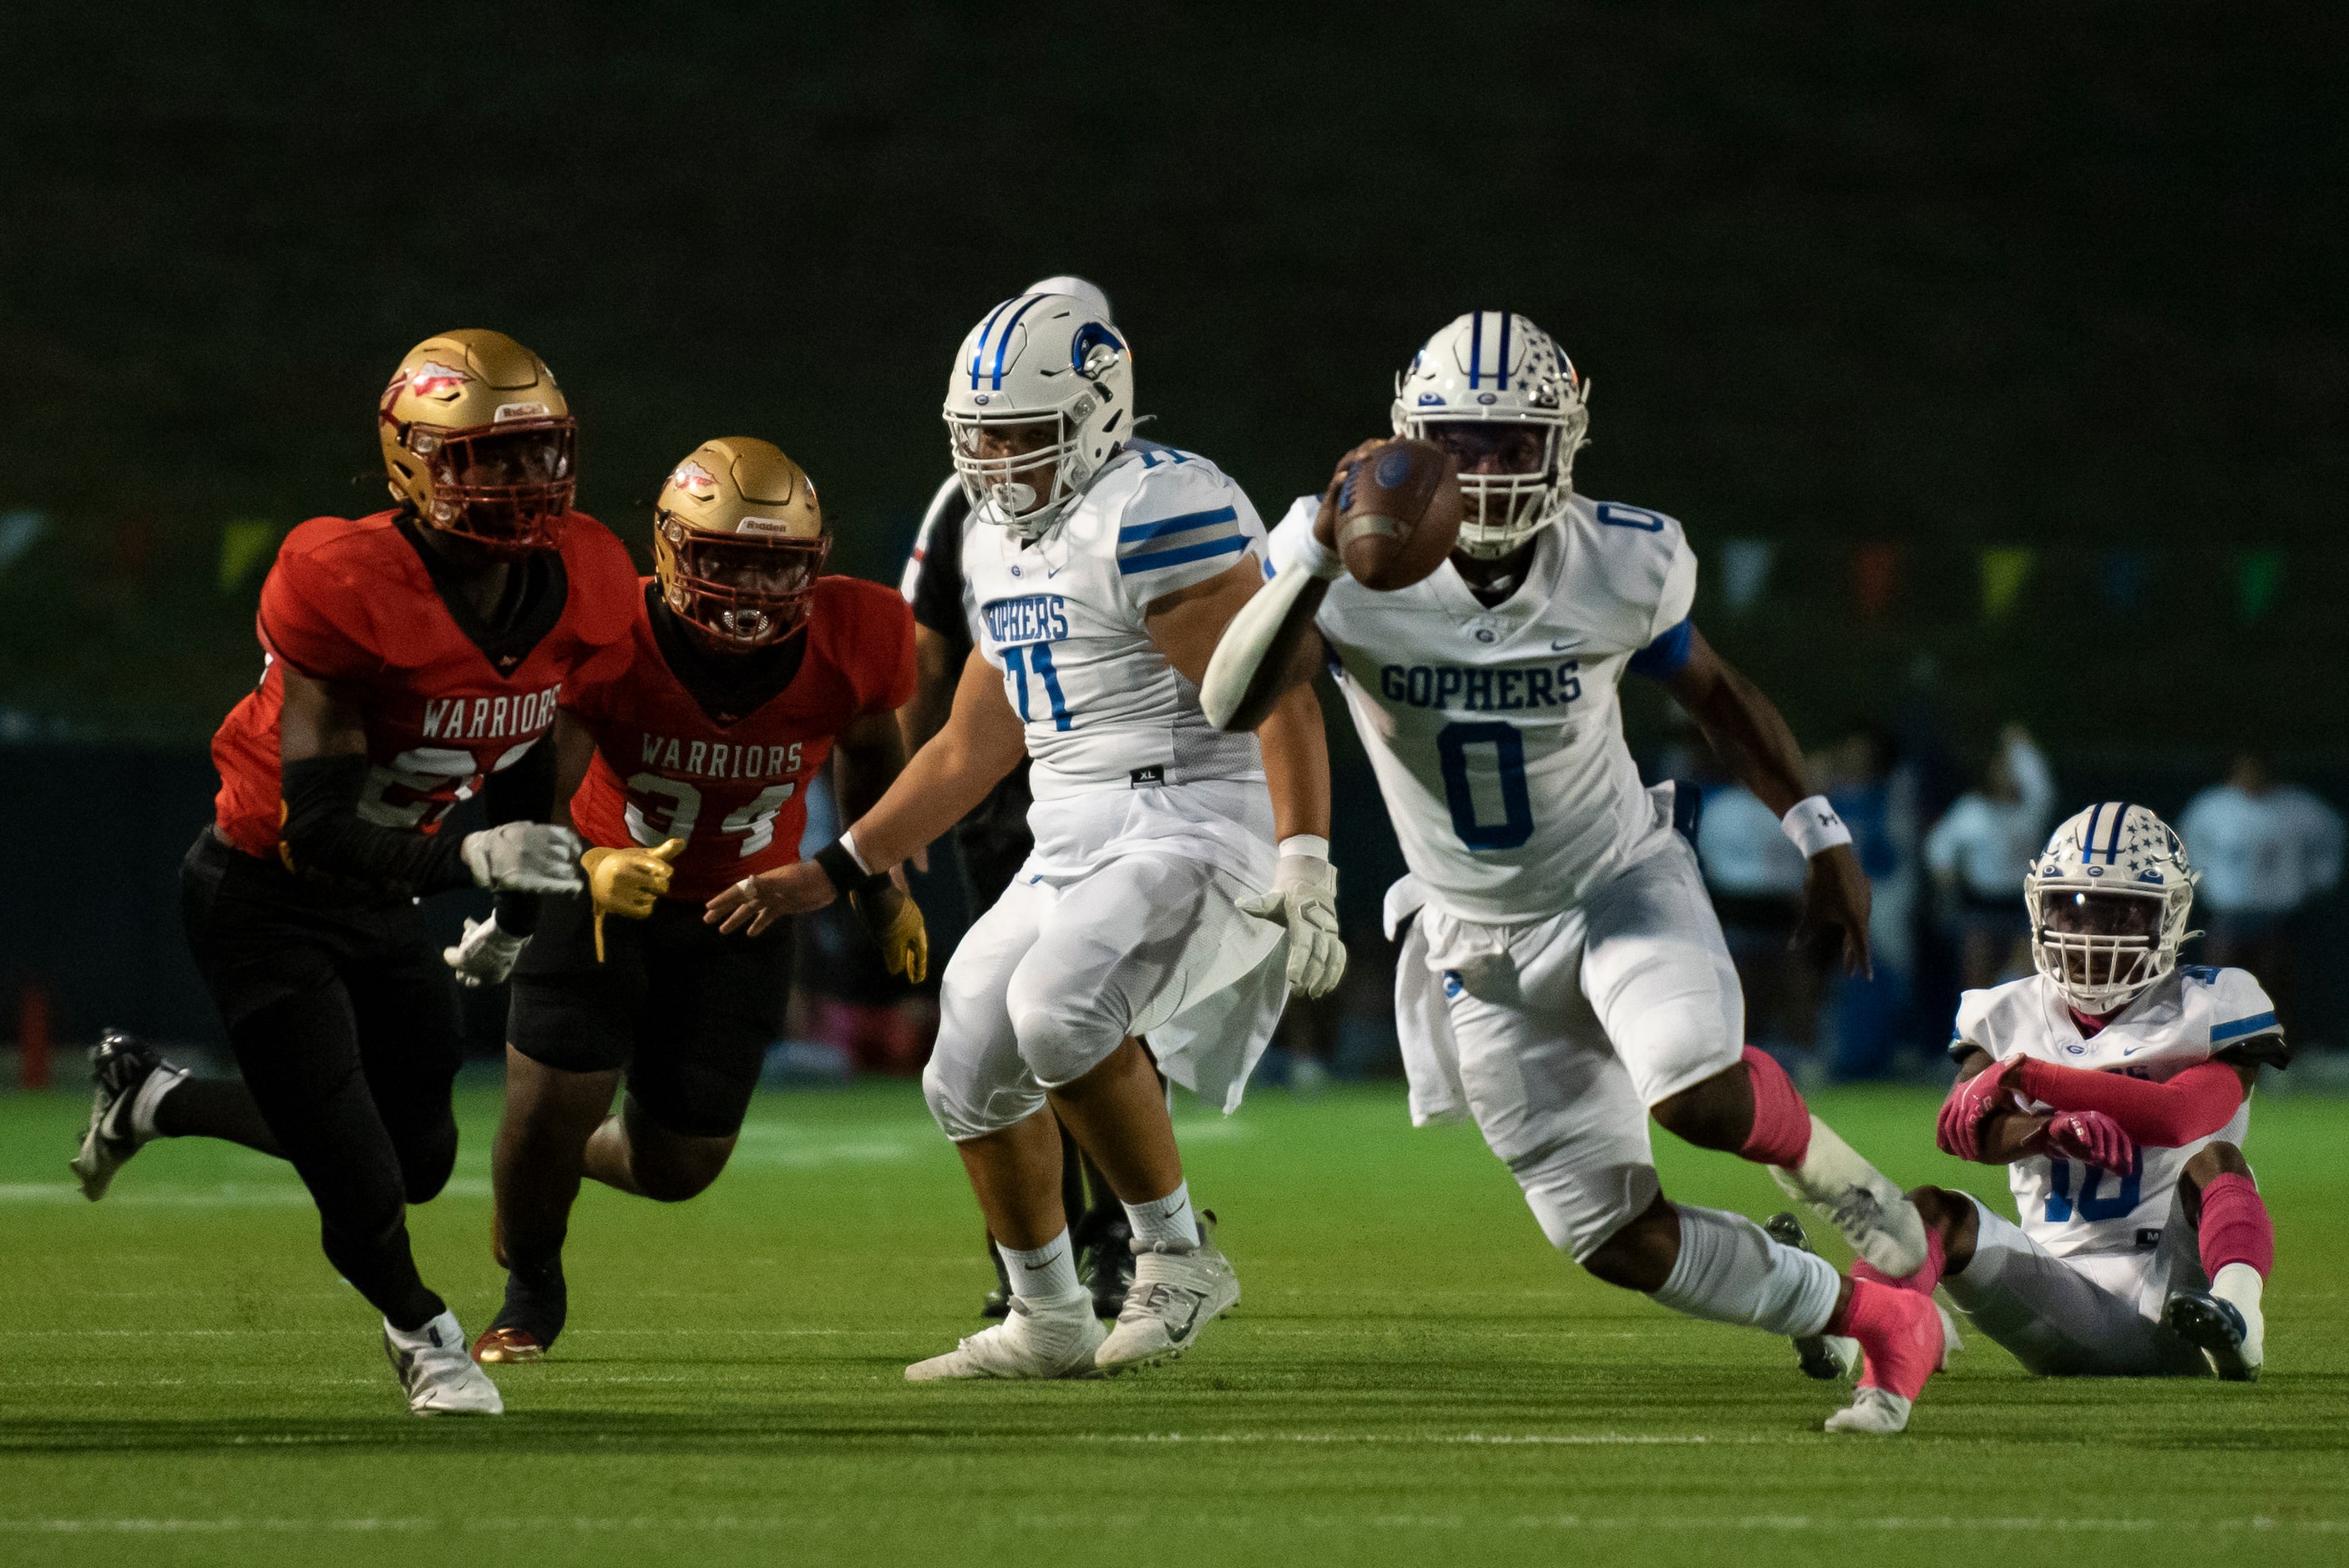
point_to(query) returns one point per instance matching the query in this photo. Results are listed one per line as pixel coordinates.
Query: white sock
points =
(1730, 1271)
(1165, 1220)
(2240, 1283)
(1049, 1274)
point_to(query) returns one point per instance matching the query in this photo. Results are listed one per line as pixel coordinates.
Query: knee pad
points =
(1064, 1038)
(1579, 1207)
(964, 1104)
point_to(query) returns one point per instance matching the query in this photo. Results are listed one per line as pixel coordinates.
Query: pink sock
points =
(1899, 1335)
(1927, 1275)
(2235, 1227)
(1781, 1122)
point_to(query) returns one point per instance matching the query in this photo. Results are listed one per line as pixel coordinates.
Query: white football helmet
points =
(2108, 900)
(1038, 358)
(1491, 364)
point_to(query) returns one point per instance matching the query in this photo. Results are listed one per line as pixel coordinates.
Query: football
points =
(1398, 511)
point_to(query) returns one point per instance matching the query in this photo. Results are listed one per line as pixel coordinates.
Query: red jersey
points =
(446, 700)
(735, 792)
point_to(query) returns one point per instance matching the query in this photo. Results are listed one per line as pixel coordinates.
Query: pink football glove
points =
(2092, 1136)
(1958, 1130)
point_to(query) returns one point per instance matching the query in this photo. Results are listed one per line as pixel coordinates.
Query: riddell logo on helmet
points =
(692, 476)
(432, 378)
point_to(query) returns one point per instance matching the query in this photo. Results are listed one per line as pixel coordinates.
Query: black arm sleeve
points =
(938, 584)
(324, 837)
(522, 793)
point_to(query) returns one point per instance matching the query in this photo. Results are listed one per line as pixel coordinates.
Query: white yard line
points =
(1752, 1524)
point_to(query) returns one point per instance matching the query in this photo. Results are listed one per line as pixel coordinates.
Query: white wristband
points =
(1307, 845)
(1814, 826)
(848, 842)
(1324, 563)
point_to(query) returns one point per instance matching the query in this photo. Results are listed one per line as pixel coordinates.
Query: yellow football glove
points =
(903, 941)
(627, 882)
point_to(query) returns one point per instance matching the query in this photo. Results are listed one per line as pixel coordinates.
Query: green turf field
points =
(1412, 1376)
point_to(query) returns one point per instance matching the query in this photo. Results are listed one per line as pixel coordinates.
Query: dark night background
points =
(2058, 276)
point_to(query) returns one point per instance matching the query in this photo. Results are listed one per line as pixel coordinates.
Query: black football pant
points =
(343, 1023)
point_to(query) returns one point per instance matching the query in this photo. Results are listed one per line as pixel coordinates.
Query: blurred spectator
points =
(1876, 799)
(1756, 876)
(1978, 852)
(2266, 851)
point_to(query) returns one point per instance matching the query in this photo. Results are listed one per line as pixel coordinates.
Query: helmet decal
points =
(1093, 334)
(691, 476)
(432, 378)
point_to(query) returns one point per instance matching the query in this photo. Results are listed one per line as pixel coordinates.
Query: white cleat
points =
(437, 1371)
(126, 1078)
(1174, 1296)
(1035, 1339)
(1872, 1214)
(1876, 1410)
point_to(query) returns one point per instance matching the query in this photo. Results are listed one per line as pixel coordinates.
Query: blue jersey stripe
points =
(2241, 1026)
(1665, 657)
(1228, 544)
(1135, 532)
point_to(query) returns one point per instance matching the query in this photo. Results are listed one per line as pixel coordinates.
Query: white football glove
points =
(486, 956)
(1304, 898)
(525, 857)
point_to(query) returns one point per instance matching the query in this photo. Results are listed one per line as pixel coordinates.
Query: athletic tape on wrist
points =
(1814, 826)
(1310, 846)
(1320, 560)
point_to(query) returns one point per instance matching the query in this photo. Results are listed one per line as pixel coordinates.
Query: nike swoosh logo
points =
(1557, 647)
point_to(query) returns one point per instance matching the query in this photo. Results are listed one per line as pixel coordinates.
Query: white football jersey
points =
(1496, 734)
(2181, 1021)
(1063, 619)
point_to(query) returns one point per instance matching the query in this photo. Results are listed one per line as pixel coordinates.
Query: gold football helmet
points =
(738, 542)
(477, 439)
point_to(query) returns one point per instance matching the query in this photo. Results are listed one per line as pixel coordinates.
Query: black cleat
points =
(526, 1327)
(998, 1305)
(1105, 1260)
(2217, 1327)
(1812, 1351)
(119, 1069)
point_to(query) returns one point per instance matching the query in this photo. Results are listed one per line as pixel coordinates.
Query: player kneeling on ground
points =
(1154, 902)
(2115, 1085)
(1564, 976)
(414, 660)
(695, 755)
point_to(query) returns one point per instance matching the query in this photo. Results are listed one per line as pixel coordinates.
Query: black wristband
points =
(841, 869)
(517, 913)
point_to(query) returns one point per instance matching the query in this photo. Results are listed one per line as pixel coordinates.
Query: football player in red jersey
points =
(414, 658)
(691, 763)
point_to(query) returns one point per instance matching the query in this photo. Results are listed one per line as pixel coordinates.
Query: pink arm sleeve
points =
(2194, 1104)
